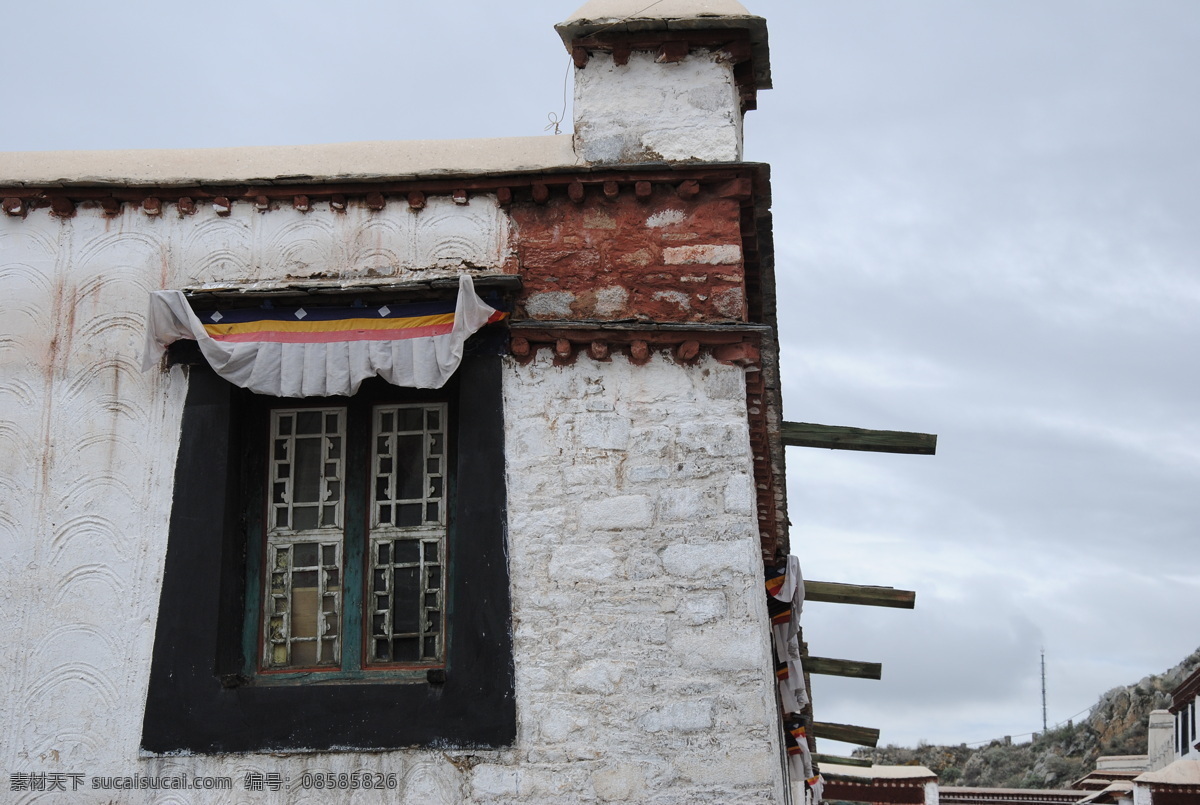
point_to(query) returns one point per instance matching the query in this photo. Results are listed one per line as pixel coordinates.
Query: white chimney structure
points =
(668, 83)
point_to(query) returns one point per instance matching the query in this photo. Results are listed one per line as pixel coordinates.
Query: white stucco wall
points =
(646, 112)
(640, 625)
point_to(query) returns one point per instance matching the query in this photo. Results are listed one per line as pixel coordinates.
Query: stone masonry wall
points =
(661, 258)
(640, 625)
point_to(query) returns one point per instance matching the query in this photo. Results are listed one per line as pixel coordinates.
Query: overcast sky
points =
(987, 225)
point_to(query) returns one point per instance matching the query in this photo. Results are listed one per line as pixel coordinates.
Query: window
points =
(1191, 726)
(336, 574)
(318, 510)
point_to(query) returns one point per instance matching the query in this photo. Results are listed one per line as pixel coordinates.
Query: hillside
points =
(1116, 725)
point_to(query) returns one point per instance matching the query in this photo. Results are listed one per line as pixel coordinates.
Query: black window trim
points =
(199, 698)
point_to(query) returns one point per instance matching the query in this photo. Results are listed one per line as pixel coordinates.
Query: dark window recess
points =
(397, 635)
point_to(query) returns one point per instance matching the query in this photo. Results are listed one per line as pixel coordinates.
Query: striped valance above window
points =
(322, 351)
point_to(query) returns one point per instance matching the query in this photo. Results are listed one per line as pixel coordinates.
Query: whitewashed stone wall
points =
(643, 669)
(640, 626)
(644, 111)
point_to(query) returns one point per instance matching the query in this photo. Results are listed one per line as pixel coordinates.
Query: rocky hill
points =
(1116, 725)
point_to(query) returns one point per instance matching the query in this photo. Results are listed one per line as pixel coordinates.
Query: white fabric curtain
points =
(318, 369)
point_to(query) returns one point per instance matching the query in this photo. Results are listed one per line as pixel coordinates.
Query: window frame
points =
(357, 531)
(200, 698)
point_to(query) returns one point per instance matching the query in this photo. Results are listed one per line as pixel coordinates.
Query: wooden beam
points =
(850, 668)
(832, 592)
(846, 733)
(842, 761)
(836, 437)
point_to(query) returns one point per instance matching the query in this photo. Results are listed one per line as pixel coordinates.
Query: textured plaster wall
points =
(644, 111)
(642, 660)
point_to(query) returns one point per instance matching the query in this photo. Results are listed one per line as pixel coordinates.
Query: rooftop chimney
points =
(668, 83)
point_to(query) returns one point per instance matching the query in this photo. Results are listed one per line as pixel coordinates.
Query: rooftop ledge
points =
(312, 164)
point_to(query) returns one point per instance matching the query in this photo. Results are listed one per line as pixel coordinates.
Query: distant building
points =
(1178, 782)
(969, 795)
(895, 785)
(1185, 700)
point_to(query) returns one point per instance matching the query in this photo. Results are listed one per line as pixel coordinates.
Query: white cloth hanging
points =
(793, 693)
(296, 358)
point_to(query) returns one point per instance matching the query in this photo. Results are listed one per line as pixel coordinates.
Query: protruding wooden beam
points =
(836, 437)
(832, 592)
(671, 52)
(62, 206)
(846, 733)
(850, 668)
(687, 351)
(842, 761)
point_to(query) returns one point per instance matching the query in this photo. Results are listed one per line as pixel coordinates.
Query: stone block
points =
(549, 305)
(611, 300)
(596, 676)
(489, 780)
(740, 495)
(684, 716)
(652, 441)
(715, 438)
(556, 724)
(575, 563)
(702, 607)
(703, 254)
(615, 513)
(706, 560)
(604, 431)
(721, 648)
(643, 473)
(733, 768)
(666, 217)
(685, 504)
(621, 782)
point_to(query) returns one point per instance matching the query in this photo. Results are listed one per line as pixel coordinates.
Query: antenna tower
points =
(1043, 688)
